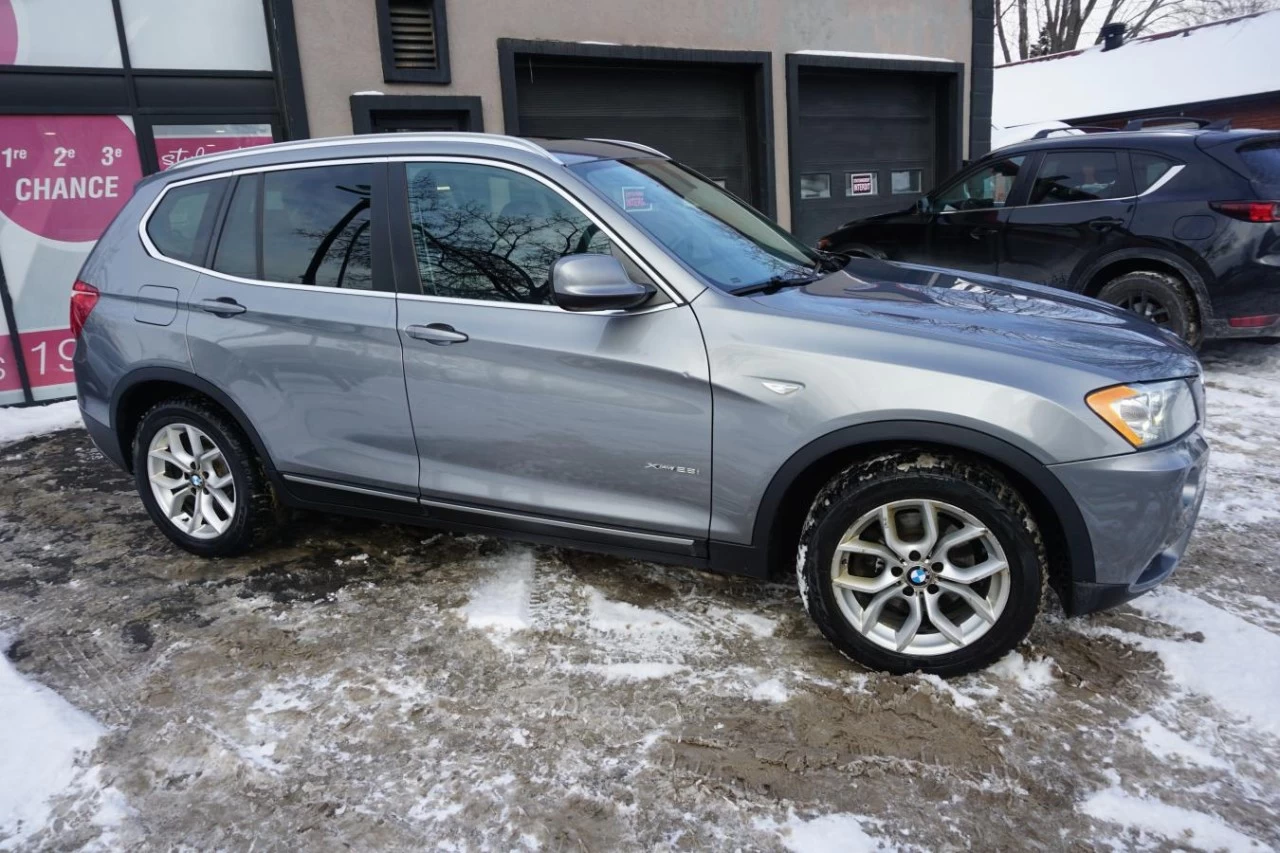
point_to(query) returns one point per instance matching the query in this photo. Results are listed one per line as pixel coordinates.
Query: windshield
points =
(721, 239)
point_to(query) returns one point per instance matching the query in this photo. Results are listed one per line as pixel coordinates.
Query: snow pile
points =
(1167, 745)
(501, 603)
(41, 739)
(1032, 676)
(1242, 389)
(833, 833)
(618, 617)
(19, 423)
(1237, 664)
(1203, 63)
(1181, 826)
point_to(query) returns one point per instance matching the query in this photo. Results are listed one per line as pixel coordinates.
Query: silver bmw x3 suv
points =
(586, 343)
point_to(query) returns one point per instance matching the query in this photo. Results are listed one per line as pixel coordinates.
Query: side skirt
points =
(319, 495)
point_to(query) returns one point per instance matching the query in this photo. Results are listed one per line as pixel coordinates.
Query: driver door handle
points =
(440, 334)
(223, 306)
(983, 231)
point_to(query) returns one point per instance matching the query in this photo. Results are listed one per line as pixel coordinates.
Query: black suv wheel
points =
(1159, 297)
(914, 561)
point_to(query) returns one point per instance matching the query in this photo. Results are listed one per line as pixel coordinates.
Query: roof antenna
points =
(1112, 36)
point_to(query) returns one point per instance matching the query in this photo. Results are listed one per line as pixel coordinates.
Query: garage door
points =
(702, 116)
(868, 143)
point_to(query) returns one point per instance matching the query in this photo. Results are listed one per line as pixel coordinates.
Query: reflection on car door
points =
(969, 215)
(1078, 209)
(293, 328)
(521, 407)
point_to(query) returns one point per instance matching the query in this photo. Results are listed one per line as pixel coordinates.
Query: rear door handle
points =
(440, 334)
(1105, 223)
(223, 306)
(983, 231)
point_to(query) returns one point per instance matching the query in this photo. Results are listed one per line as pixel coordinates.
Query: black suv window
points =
(1263, 162)
(1147, 169)
(1078, 176)
(986, 187)
(487, 233)
(183, 222)
(315, 227)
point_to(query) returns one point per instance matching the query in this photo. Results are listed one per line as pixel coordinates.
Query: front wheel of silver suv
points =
(917, 561)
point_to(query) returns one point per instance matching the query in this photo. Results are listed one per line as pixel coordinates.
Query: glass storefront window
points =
(62, 180)
(78, 33)
(178, 142)
(221, 35)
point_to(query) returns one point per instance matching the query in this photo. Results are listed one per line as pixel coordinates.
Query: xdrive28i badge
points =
(675, 469)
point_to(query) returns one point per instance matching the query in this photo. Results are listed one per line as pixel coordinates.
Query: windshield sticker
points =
(634, 198)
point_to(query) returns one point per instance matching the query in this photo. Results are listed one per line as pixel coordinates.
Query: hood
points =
(1003, 315)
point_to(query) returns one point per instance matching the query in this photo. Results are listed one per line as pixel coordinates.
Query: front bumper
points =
(1140, 510)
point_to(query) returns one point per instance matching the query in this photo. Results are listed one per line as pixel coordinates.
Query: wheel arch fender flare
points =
(173, 376)
(1032, 473)
(1194, 277)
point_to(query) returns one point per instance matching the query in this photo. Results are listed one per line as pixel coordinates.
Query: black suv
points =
(1179, 225)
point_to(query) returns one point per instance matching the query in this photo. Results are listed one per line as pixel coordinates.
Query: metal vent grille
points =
(413, 34)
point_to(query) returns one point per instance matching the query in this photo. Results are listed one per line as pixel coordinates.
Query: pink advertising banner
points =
(62, 179)
(172, 150)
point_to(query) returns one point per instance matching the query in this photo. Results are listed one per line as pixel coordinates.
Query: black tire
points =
(913, 475)
(252, 494)
(1162, 298)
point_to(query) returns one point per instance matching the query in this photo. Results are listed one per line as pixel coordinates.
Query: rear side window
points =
(301, 226)
(1147, 169)
(182, 223)
(1263, 162)
(1067, 176)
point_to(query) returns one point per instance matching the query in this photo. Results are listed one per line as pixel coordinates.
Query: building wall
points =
(338, 43)
(1262, 111)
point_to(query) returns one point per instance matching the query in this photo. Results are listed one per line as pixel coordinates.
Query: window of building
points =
(413, 37)
(905, 181)
(491, 234)
(315, 226)
(987, 187)
(69, 33)
(1078, 176)
(815, 185)
(222, 35)
(181, 225)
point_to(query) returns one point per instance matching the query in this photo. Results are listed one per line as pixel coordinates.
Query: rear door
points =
(595, 423)
(1079, 208)
(296, 322)
(969, 213)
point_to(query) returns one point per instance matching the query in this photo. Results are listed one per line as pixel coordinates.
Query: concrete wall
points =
(338, 43)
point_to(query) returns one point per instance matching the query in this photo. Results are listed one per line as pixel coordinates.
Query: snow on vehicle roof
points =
(1203, 63)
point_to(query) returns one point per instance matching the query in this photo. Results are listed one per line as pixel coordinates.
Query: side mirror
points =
(595, 283)
(922, 206)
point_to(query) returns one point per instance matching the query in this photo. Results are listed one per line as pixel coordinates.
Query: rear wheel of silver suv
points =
(916, 561)
(198, 478)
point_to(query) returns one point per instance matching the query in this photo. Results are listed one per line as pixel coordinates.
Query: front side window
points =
(984, 188)
(182, 223)
(491, 234)
(717, 236)
(314, 227)
(1078, 176)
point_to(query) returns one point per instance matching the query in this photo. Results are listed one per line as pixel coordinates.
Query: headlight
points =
(1146, 413)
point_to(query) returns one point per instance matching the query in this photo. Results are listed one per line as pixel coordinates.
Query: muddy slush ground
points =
(371, 686)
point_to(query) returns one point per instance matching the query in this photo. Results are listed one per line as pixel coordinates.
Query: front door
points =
(520, 406)
(298, 326)
(969, 215)
(1078, 210)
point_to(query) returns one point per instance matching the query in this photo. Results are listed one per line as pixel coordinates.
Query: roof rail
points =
(365, 139)
(1044, 133)
(1145, 123)
(626, 144)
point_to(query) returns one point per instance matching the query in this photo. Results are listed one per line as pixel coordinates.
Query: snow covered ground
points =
(385, 687)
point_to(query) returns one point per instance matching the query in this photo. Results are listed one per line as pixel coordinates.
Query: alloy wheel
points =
(1147, 306)
(191, 481)
(920, 577)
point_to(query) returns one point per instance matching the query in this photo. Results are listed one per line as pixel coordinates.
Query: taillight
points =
(1255, 321)
(1249, 211)
(83, 297)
